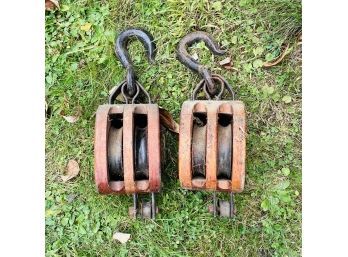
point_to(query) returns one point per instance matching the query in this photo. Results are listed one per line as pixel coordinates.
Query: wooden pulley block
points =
(212, 132)
(127, 149)
(212, 146)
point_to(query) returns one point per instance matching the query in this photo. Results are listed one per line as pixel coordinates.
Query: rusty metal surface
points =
(144, 209)
(224, 150)
(115, 156)
(209, 83)
(199, 135)
(223, 86)
(184, 57)
(121, 50)
(222, 208)
(122, 89)
(224, 140)
(141, 156)
(133, 147)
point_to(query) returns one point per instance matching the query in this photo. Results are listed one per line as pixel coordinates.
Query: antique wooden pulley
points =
(127, 145)
(212, 133)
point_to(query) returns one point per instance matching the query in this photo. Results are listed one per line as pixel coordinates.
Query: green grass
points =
(81, 68)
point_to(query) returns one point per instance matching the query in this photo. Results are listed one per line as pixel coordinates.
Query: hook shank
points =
(184, 57)
(121, 50)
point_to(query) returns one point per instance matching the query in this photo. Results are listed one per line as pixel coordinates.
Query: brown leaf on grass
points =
(277, 60)
(167, 120)
(51, 5)
(227, 63)
(72, 170)
(71, 119)
(121, 237)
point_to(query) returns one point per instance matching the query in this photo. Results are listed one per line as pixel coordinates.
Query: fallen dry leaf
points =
(278, 60)
(167, 120)
(72, 170)
(86, 27)
(121, 237)
(50, 5)
(226, 63)
(71, 119)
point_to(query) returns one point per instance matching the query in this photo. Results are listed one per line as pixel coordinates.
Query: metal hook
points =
(184, 57)
(121, 51)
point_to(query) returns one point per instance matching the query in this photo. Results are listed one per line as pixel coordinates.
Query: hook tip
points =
(122, 41)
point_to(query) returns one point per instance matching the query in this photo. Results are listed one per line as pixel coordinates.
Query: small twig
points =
(278, 60)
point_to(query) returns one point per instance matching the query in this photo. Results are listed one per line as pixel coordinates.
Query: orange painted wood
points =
(185, 140)
(128, 150)
(212, 146)
(154, 146)
(213, 108)
(102, 125)
(100, 150)
(239, 144)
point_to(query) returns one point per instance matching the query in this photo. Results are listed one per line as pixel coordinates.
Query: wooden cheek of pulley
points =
(212, 145)
(127, 149)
